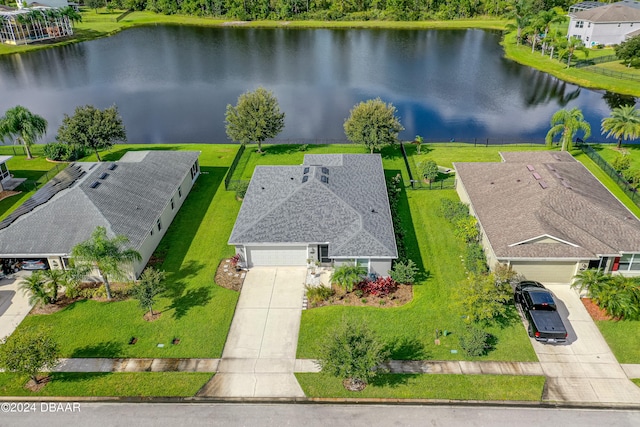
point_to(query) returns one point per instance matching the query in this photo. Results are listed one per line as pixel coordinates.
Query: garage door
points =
(546, 272)
(277, 255)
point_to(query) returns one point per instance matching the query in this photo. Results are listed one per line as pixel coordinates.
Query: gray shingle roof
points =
(350, 211)
(128, 201)
(575, 208)
(616, 12)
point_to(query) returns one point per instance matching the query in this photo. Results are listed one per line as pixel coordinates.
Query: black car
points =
(539, 308)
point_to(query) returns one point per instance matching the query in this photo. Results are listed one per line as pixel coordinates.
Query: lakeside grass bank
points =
(95, 25)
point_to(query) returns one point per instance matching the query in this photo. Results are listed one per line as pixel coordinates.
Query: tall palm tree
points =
(573, 44)
(23, 126)
(624, 123)
(418, 141)
(36, 286)
(567, 123)
(546, 18)
(105, 254)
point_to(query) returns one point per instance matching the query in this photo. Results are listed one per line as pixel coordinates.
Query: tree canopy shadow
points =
(72, 377)
(176, 283)
(195, 297)
(391, 152)
(406, 348)
(108, 349)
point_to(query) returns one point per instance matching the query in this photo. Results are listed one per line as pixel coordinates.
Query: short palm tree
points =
(590, 280)
(23, 126)
(107, 255)
(36, 286)
(418, 141)
(569, 50)
(348, 275)
(624, 123)
(55, 279)
(567, 123)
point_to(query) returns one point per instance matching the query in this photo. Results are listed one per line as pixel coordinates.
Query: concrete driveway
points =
(584, 369)
(14, 304)
(259, 356)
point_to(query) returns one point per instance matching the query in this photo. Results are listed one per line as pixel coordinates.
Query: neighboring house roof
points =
(616, 12)
(339, 199)
(128, 200)
(632, 34)
(573, 216)
(4, 159)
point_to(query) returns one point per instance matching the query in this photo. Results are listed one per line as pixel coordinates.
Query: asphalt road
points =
(307, 415)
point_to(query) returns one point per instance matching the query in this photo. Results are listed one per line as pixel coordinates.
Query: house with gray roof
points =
(605, 25)
(137, 196)
(544, 214)
(333, 208)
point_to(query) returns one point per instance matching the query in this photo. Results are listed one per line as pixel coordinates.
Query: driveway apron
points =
(259, 356)
(585, 369)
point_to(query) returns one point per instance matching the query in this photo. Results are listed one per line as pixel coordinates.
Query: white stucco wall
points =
(605, 33)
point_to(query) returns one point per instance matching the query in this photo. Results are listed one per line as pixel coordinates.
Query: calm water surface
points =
(172, 83)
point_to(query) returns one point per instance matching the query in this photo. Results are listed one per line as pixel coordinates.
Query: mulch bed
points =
(152, 317)
(594, 311)
(5, 194)
(33, 386)
(228, 277)
(401, 296)
(64, 301)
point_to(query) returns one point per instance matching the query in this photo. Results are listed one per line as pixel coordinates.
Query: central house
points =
(333, 209)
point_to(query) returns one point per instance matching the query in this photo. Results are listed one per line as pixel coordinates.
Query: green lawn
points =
(622, 338)
(431, 244)
(580, 76)
(36, 169)
(193, 308)
(426, 386)
(165, 384)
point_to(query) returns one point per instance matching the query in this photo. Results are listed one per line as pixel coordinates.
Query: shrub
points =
(475, 342)
(352, 351)
(394, 189)
(318, 294)
(632, 176)
(475, 260)
(430, 170)
(453, 210)
(303, 147)
(57, 151)
(621, 162)
(347, 275)
(241, 189)
(404, 272)
(466, 228)
(380, 287)
(485, 298)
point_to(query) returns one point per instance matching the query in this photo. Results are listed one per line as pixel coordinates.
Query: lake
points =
(172, 83)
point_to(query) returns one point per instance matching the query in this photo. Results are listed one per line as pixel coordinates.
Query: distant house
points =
(333, 208)
(544, 214)
(33, 24)
(138, 196)
(605, 25)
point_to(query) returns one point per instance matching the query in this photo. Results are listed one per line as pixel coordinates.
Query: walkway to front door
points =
(259, 355)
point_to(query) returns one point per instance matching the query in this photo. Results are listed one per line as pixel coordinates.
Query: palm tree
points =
(521, 13)
(591, 281)
(347, 275)
(22, 125)
(106, 255)
(55, 279)
(567, 124)
(546, 18)
(36, 286)
(624, 122)
(573, 44)
(418, 141)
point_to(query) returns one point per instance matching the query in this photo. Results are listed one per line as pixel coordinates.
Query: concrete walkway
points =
(260, 353)
(584, 370)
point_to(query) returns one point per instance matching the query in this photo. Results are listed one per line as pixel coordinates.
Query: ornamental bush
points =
(380, 287)
(475, 342)
(57, 151)
(404, 272)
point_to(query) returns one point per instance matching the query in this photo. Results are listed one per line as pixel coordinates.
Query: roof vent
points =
(324, 179)
(555, 156)
(543, 184)
(95, 184)
(104, 175)
(537, 176)
(325, 171)
(531, 168)
(113, 166)
(566, 184)
(305, 178)
(306, 170)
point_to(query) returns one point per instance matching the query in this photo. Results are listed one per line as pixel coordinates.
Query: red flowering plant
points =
(381, 286)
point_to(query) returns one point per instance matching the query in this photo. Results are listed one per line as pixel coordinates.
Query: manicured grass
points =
(620, 67)
(431, 244)
(580, 76)
(20, 167)
(95, 25)
(165, 384)
(636, 381)
(193, 308)
(426, 386)
(622, 338)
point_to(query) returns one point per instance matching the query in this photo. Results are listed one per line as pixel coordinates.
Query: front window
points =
(579, 24)
(629, 262)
